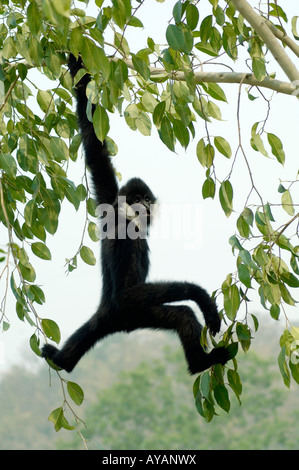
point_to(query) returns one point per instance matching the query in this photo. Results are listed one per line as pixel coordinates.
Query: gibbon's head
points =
(139, 202)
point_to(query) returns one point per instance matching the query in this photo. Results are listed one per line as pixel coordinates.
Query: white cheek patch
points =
(130, 212)
(124, 210)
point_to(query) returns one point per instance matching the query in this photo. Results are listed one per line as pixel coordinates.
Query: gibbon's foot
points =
(52, 353)
(216, 356)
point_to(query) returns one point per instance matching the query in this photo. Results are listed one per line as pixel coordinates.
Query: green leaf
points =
(34, 17)
(5, 325)
(179, 38)
(37, 293)
(278, 12)
(51, 329)
(121, 74)
(244, 275)
(231, 301)
(214, 90)
(143, 124)
(248, 216)
(214, 111)
(205, 28)
(62, 8)
(30, 212)
(259, 68)
(294, 27)
(287, 202)
(219, 15)
(205, 384)
(45, 101)
(8, 164)
(206, 48)
(205, 153)
(166, 133)
(36, 52)
(135, 22)
(49, 218)
(149, 102)
(87, 255)
(243, 332)
(34, 344)
(181, 133)
(59, 149)
(283, 366)
(243, 227)
(121, 12)
(192, 16)
(94, 58)
(177, 11)
(246, 259)
(276, 147)
(223, 146)
(275, 311)
(234, 381)
(93, 232)
(141, 67)
(208, 188)
(101, 123)
(294, 368)
(27, 271)
(81, 192)
(41, 250)
(226, 197)
(221, 397)
(230, 41)
(75, 392)
(232, 349)
(290, 279)
(57, 417)
(158, 113)
(199, 405)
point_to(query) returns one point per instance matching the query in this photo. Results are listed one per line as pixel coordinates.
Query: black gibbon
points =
(127, 302)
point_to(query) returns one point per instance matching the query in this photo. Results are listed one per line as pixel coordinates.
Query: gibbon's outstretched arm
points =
(96, 152)
(127, 302)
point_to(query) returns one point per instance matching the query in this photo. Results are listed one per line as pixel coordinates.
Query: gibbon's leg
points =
(167, 292)
(183, 321)
(102, 324)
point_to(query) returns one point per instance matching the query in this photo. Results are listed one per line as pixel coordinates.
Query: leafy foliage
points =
(155, 86)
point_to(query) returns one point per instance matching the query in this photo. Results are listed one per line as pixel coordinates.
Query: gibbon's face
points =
(139, 201)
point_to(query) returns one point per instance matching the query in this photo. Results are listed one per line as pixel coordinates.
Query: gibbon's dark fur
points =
(128, 302)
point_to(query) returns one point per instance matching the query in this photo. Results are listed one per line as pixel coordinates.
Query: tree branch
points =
(224, 77)
(283, 37)
(260, 26)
